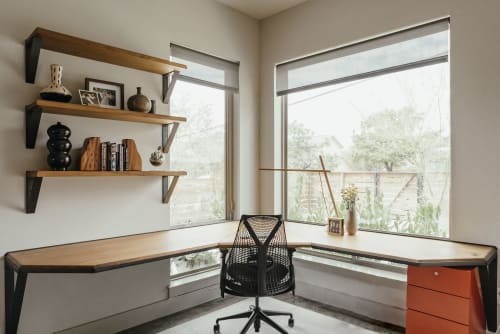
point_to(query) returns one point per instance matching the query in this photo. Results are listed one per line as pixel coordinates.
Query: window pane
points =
(194, 261)
(389, 135)
(199, 149)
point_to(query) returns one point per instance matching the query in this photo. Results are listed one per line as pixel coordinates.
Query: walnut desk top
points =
(107, 254)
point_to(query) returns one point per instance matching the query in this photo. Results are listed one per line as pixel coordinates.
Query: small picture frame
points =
(88, 98)
(336, 226)
(110, 93)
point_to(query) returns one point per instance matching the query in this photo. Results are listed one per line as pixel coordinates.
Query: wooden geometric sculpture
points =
(89, 160)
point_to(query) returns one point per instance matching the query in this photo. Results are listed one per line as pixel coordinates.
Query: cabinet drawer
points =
(439, 304)
(420, 323)
(453, 281)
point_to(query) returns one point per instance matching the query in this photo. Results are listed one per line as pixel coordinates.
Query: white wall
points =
(475, 118)
(85, 209)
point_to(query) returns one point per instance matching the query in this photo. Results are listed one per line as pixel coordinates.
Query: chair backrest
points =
(261, 242)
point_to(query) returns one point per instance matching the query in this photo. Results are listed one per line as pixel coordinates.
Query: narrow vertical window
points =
(203, 94)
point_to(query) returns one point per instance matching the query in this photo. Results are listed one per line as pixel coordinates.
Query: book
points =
(107, 157)
(103, 156)
(125, 156)
(119, 165)
(122, 157)
(112, 157)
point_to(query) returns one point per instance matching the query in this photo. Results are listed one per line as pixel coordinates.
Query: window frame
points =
(229, 173)
(231, 75)
(356, 260)
(284, 111)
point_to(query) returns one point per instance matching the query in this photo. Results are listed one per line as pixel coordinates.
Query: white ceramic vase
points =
(56, 91)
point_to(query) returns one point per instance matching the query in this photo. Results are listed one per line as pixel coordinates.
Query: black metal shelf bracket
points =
(32, 47)
(167, 136)
(168, 84)
(168, 190)
(33, 186)
(32, 123)
(14, 295)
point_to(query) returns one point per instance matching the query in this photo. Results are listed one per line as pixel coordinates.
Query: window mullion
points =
(284, 155)
(229, 153)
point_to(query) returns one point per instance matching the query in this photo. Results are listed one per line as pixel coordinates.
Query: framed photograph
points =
(336, 226)
(89, 98)
(110, 93)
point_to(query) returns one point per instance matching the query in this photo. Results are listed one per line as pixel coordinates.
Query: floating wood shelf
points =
(34, 181)
(51, 107)
(34, 111)
(50, 40)
(86, 173)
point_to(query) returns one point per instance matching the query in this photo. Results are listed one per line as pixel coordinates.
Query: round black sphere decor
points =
(59, 147)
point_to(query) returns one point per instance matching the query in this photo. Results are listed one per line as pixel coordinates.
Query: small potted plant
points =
(157, 158)
(349, 197)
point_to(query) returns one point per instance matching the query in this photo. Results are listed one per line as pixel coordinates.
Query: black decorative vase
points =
(59, 147)
(153, 107)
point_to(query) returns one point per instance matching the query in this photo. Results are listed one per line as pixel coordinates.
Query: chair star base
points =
(255, 316)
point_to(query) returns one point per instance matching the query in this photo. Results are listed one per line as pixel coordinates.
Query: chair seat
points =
(243, 278)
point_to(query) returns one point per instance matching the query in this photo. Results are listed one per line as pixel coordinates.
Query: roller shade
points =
(419, 46)
(206, 69)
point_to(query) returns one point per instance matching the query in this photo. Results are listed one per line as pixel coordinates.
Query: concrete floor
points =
(310, 317)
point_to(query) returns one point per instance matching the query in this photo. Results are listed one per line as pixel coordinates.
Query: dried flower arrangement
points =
(349, 196)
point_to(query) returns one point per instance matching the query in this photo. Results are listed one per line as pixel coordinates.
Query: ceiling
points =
(260, 9)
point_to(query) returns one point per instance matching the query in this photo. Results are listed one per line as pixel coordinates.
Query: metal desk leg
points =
(13, 297)
(488, 277)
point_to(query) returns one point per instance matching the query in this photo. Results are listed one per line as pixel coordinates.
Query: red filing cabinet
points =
(444, 301)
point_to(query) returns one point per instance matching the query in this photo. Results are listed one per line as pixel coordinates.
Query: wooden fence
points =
(400, 191)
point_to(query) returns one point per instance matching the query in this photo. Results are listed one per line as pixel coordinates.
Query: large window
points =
(202, 147)
(379, 113)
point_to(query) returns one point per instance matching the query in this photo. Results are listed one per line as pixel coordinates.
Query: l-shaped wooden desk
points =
(108, 254)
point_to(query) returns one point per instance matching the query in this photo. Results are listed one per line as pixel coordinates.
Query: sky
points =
(339, 110)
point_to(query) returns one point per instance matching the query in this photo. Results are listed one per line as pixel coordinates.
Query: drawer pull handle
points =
(436, 273)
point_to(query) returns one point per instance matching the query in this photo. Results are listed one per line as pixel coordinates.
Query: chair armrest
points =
(223, 256)
(292, 268)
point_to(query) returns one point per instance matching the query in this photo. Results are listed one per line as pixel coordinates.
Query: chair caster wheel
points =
(216, 329)
(291, 322)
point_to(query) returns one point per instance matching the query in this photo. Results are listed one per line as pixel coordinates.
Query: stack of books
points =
(113, 156)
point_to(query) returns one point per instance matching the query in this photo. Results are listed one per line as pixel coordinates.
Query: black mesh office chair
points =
(259, 264)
